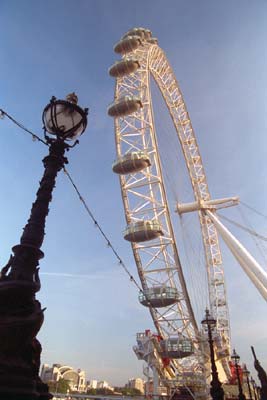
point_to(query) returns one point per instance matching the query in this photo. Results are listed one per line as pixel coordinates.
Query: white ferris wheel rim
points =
(152, 60)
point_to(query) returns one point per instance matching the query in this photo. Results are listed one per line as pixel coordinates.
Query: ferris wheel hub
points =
(215, 204)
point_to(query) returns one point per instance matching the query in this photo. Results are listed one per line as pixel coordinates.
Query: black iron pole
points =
(216, 390)
(241, 395)
(262, 376)
(21, 315)
(249, 388)
(254, 390)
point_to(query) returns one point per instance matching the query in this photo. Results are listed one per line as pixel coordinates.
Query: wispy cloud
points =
(68, 275)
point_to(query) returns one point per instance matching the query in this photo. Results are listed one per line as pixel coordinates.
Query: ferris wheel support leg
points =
(254, 271)
(155, 384)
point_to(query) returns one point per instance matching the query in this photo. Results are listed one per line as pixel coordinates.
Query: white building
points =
(136, 383)
(76, 379)
(102, 385)
(92, 384)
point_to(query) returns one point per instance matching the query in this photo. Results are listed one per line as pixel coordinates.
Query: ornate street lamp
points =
(235, 357)
(216, 389)
(253, 383)
(246, 374)
(21, 315)
(64, 118)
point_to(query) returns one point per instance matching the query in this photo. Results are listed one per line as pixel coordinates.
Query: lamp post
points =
(253, 383)
(246, 374)
(235, 357)
(262, 376)
(21, 315)
(216, 389)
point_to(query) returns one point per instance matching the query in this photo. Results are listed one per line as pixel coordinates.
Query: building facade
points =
(92, 384)
(136, 383)
(76, 379)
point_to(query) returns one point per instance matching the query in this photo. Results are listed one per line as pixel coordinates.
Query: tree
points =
(91, 391)
(104, 391)
(128, 391)
(60, 386)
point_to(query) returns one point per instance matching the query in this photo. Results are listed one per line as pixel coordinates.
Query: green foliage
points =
(128, 391)
(104, 391)
(61, 386)
(91, 391)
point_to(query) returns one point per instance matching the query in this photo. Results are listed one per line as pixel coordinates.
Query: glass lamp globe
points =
(235, 357)
(64, 118)
(208, 320)
(246, 372)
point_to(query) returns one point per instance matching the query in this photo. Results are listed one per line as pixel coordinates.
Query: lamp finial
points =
(72, 98)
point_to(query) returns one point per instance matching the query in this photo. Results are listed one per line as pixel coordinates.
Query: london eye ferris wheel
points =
(150, 221)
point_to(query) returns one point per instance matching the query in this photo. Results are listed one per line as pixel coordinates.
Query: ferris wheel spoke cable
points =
(173, 175)
(171, 161)
(253, 209)
(171, 156)
(197, 283)
(249, 230)
(257, 239)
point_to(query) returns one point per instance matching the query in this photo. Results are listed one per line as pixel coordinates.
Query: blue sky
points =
(219, 55)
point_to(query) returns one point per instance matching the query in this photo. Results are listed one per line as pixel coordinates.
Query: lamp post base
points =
(15, 388)
(21, 317)
(216, 391)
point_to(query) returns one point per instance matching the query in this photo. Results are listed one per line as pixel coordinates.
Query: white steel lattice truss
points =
(144, 198)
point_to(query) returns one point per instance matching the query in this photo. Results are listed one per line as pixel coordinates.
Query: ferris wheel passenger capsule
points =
(176, 347)
(141, 231)
(131, 163)
(223, 353)
(218, 281)
(159, 296)
(124, 106)
(130, 43)
(148, 33)
(219, 302)
(142, 32)
(123, 67)
(223, 322)
(153, 40)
